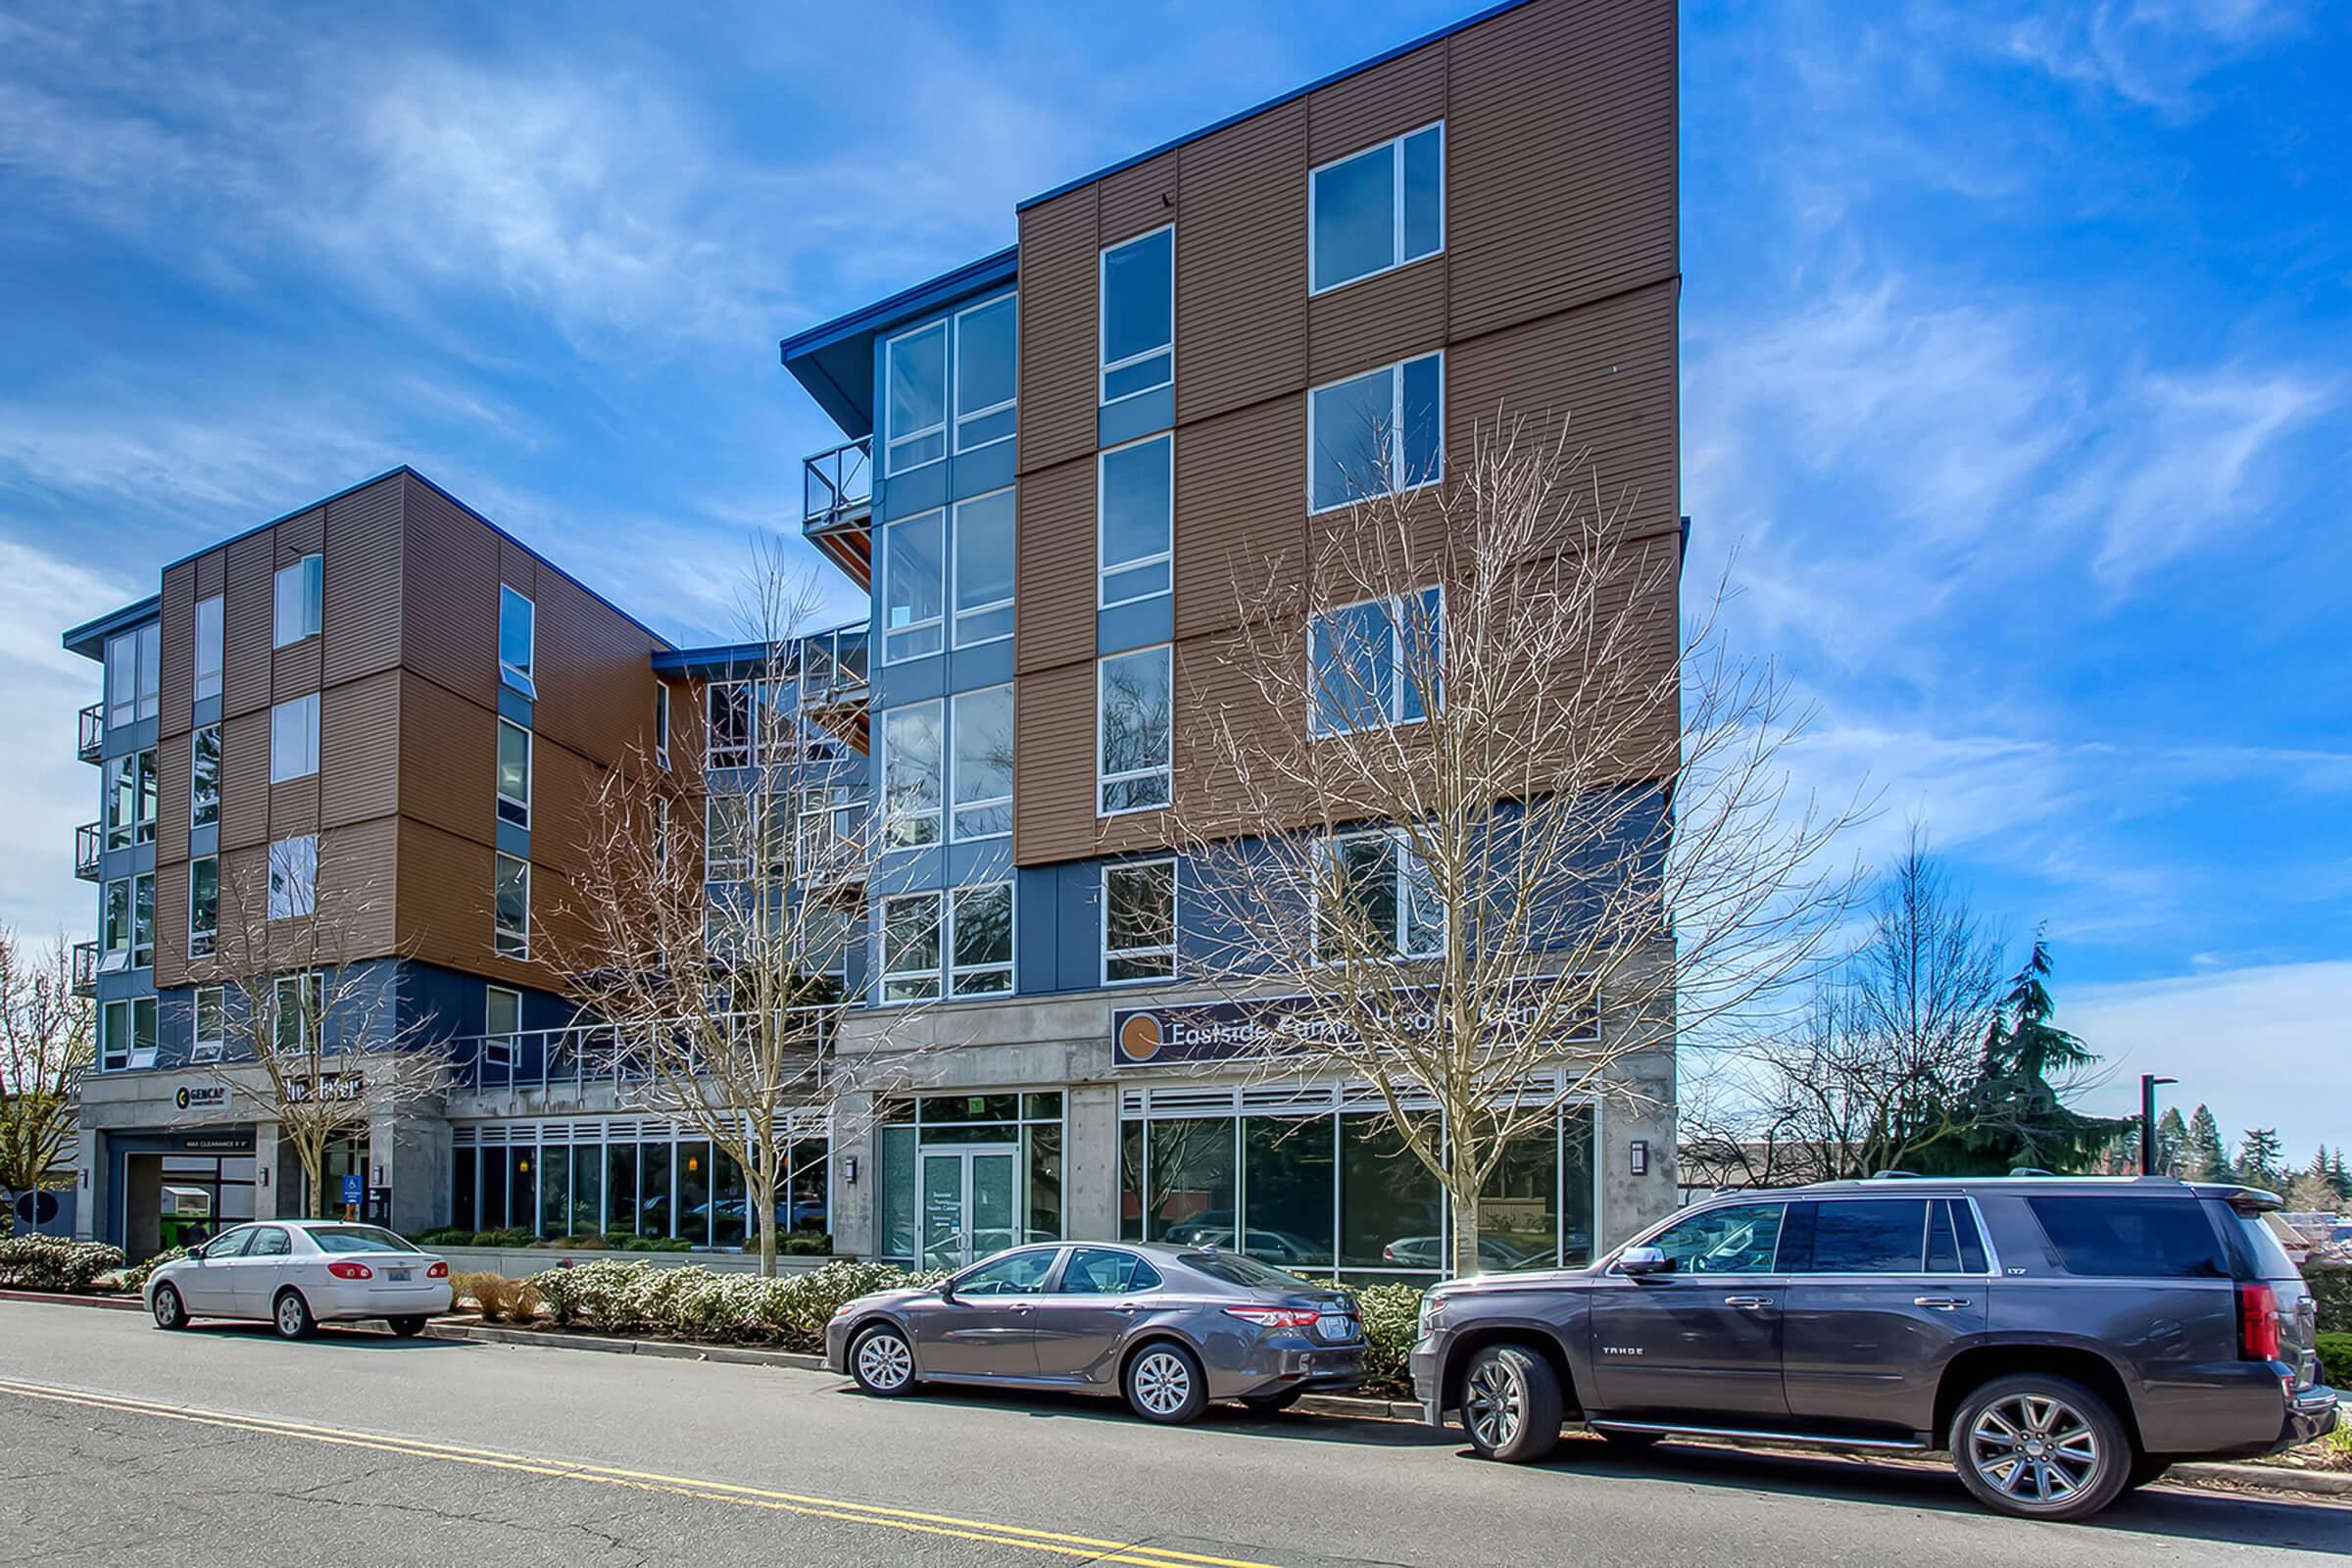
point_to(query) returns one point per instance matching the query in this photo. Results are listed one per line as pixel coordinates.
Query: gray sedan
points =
(1167, 1328)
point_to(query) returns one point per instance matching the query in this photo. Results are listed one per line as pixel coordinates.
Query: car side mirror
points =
(1639, 1261)
(947, 1289)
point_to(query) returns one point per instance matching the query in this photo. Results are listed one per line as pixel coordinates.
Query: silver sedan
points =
(1167, 1328)
(295, 1274)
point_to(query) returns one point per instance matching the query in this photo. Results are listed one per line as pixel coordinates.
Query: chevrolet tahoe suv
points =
(2063, 1339)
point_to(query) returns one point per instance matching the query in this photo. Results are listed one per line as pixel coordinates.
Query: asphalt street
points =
(120, 1444)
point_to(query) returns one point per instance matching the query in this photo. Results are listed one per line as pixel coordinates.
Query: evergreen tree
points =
(2172, 1144)
(2340, 1176)
(2205, 1159)
(2258, 1157)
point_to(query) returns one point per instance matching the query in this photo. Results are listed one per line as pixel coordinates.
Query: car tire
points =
(882, 1361)
(1511, 1404)
(171, 1312)
(1164, 1383)
(291, 1316)
(2146, 1470)
(2039, 1446)
(1272, 1404)
(408, 1328)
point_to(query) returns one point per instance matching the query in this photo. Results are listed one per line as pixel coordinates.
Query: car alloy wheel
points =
(292, 1316)
(169, 1311)
(884, 1364)
(1493, 1405)
(1163, 1383)
(1511, 1404)
(2033, 1448)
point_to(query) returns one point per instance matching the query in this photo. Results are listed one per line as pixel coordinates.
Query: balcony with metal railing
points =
(86, 969)
(567, 1062)
(837, 507)
(90, 843)
(90, 744)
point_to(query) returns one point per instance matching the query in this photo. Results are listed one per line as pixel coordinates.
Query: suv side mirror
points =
(1639, 1262)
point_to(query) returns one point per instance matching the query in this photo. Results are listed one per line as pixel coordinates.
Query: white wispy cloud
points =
(2157, 54)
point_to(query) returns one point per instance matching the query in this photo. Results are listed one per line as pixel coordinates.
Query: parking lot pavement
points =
(120, 1444)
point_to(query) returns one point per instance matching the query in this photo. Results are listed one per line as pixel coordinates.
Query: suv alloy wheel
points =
(1511, 1404)
(2040, 1447)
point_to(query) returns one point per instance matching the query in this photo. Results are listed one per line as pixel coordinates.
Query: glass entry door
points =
(968, 1204)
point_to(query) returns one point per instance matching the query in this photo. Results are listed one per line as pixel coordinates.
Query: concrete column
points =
(854, 1208)
(269, 1178)
(1089, 1161)
(409, 1153)
(89, 1187)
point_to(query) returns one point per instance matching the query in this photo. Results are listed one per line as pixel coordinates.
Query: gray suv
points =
(2063, 1339)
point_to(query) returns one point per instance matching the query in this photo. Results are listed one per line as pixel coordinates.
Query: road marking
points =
(1054, 1542)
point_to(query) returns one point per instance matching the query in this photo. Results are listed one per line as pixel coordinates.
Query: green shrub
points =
(134, 1278)
(55, 1263)
(2332, 1288)
(2336, 1358)
(698, 1303)
(806, 1244)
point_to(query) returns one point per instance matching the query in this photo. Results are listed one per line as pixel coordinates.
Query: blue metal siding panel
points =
(1131, 419)
(1142, 624)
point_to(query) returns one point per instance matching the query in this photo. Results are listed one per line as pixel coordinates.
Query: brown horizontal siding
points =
(294, 670)
(294, 808)
(171, 925)
(358, 890)
(1377, 320)
(1054, 555)
(445, 901)
(1053, 765)
(594, 670)
(517, 568)
(212, 572)
(245, 781)
(176, 621)
(448, 760)
(1241, 264)
(1374, 105)
(297, 537)
(449, 596)
(1059, 347)
(362, 576)
(246, 616)
(1136, 201)
(173, 755)
(1240, 489)
(359, 750)
(563, 784)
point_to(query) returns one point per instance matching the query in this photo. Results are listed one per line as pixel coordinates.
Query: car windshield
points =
(358, 1239)
(1249, 1272)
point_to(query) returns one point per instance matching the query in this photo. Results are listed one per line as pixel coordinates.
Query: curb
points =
(118, 1303)
(2267, 1478)
(669, 1350)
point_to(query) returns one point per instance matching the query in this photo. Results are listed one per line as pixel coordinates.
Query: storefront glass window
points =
(621, 1187)
(1042, 1144)
(807, 1203)
(1392, 1207)
(587, 1191)
(460, 1189)
(1286, 1190)
(1190, 1197)
(523, 1191)
(555, 1192)
(896, 1159)
(1519, 1208)
(991, 1166)
(653, 1190)
(730, 1204)
(693, 1192)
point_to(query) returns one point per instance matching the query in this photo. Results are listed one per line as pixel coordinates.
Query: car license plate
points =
(400, 1274)
(1336, 1328)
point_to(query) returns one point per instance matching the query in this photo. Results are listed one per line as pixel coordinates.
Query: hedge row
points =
(53, 1263)
(700, 1303)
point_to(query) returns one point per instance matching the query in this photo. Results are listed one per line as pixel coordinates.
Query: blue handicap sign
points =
(354, 1190)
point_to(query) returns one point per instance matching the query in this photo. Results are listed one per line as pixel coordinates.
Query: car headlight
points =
(1432, 1304)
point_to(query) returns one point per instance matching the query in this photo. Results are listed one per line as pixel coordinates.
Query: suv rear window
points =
(2139, 1238)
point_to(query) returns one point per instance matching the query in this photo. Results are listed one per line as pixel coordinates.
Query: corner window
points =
(661, 722)
(1377, 209)
(980, 940)
(917, 367)
(294, 739)
(984, 568)
(914, 586)
(298, 594)
(142, 921)
(1375, 664)
(1139, 315)
(512, 938)
(1375, 433)
(1139, 922)
(1134, 734)
(986, 341)
(514, 773)
(911, 782)
(728, 741)
(134, 674)
(911, 948)
(204, 906)
(1373, 899)
(204, 777)
(1135, 508)
(518, 639)
(208, 648)
(294, 877)
(211, 1024)
(298, 1013)
(982, 774)
(114, 927)
(130, 790)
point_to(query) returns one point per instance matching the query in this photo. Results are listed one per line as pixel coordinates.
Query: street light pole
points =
(2148, 1121)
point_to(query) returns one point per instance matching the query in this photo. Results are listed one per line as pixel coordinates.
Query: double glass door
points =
(969, 1197)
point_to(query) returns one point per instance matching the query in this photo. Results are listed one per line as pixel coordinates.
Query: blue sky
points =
(2015, 380)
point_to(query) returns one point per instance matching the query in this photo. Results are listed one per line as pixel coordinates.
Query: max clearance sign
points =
(1274, 1026)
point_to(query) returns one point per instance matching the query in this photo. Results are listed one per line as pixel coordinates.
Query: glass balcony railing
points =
(89, 842)
(836, 485)
(92, 741)
(833, 665)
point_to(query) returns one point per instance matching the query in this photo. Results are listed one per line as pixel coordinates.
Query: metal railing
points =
(86, 969)
(89, 845)
(569, 1061)
(833, 665)
(836, 484)
(91, 742)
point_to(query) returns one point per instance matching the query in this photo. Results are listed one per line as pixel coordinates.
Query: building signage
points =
(1271, 1027)
(201, 1097)
(219, 1143)
(333, 1086)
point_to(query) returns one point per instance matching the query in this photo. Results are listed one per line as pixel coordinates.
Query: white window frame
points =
(1395, 372)
(1175, 922)
(751, 725)
(205, 942)
(1395, 145)
(884, 975)
(202, 1047)
(219, 640)
(820, 813)
(662, 832)
(308, 571)
(662, 723)
(1104, 367)
(715, 871)
(301, 1015)
(308, 705)
(957, 807)
(963, 415)
(524, 677)
(892, 437)
(113, 958)
(1394, 717)
(290, 854)
(955, 608)
(522, 808)
(1399, 848)
(891, 815)
(142, 955)
(219, 760)
(1168, 766)
(499, 1049)
(1105, 569)
(938, 622)
(114, 1044)
(139, 1057)
(958, 973)
(506, 943)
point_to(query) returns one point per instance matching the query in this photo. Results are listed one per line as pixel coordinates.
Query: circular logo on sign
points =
(1139, 1038)
(181, 1099)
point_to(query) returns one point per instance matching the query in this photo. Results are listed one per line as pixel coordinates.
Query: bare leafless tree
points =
(1469, 801)
(46, 1044)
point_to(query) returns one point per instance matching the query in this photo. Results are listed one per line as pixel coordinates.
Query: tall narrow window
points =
(211, 1024)
(1378, 432)
(1135, 501)
(1377, 209)
(917, 367)
(730, 738)
(294, 739)
(130, 785)
(513, 920)
(661, 722)
(981, 775)
(1134, 732)
(142, 1032)
(298, 1013)
(984, 568)
(514, 773)
(910, 781)
(1139, 315)
(1376, 662)
(114, 927)
(113, 1037)
(980, 940)
(298, 595)
(294, 877)
(726, 838)
(911, 948)
(134, 675)
(502, 1020)
(914, 586)
(985, 341)
(151, 675)
(204, 906)
(1139, 921)
(518, 639)
(662, 832)
(1374, 898)
(204, 777)
(142, 920)
(208, 648)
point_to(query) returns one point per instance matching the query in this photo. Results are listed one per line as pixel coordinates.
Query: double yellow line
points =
(1052, 1543)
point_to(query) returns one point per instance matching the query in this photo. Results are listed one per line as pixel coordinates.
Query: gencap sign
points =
(200, 1096)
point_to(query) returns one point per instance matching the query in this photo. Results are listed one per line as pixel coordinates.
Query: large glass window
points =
(917, 370)
(911, 948)
(1190, 1193)
(728, 742)
(134, 675)
(1739, 1239)
(114, 926)
(1139, 922)
(514, 773)
(294, 877)
(1136, 498)
(1378, 209)
(982, 775)
(985, 345)
(512, 933)
(142, 920)
(1139, 315)
(910, 776)
(1392, 1207)
(211, 1023)
(1285, 1190)
(914, 586)
(208, 647)
(518, 639)
(1374, 897)
(654, 1205)
(204, 906)
(984, 568)
(204, 778)
(1373, 664)
(1376, 432)
(730, 1200)
(621, 1187)
(297, 606)
(130, 788)
(693, 1192)
(294, 739)
(1134, 736)
(980, 935)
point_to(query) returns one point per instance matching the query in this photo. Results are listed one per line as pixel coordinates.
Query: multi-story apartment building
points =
(1059, 462)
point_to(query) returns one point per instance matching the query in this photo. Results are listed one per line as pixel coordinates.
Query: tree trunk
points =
(313, 1174)
(1464, 1201)
(764, 1194)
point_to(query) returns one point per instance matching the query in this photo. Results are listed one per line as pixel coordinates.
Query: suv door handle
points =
(1747, 1303)
(1941, 1303)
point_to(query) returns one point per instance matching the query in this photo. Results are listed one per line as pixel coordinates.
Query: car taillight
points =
(351, 1271)
(2256, 1323)
(439, 1271)
(1276, 1317)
